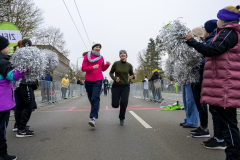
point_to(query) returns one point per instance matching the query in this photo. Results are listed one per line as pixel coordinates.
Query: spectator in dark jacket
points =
(156, 85)
(202, 131)
(79, 81)
(24, 97)
(46, 87)
(105, 82)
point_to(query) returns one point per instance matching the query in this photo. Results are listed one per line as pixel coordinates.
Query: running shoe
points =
(196, 130)
(121, 122)
(208, 141)
(181, 124)
(215, 145)
(8, 157)
(24, 133)
(92, 123)
(201, 134)
(15, 129)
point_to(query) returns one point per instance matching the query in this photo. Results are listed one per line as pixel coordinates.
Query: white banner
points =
(11, 35)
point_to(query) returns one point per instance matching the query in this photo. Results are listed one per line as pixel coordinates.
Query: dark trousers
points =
(64, 91)
(105, 89)
(94, 90)
(120, 94)
(230, 131)
(202, 108)
(216, 122)
(4, 119)
(23, 108)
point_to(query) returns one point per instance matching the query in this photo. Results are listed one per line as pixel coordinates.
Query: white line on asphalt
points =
(140, 120)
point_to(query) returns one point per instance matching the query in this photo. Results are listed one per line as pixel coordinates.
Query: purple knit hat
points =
(228, 16)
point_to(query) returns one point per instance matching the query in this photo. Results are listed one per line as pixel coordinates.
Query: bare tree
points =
(23, 13)
(76, 72)
(51, 36)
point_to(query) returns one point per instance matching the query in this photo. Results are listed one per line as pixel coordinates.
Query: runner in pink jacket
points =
(93, 64)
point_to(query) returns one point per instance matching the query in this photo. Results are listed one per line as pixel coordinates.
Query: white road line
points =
(140, 120)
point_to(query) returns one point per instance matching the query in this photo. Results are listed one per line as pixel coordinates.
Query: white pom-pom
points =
(182, 65)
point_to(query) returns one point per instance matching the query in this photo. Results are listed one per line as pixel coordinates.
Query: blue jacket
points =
(46, 81)
(207, 41)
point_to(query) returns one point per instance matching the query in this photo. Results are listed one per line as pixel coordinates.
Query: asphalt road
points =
(62, 133)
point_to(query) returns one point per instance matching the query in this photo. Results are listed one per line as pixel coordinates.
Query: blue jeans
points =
(94, 90)
(190, 107)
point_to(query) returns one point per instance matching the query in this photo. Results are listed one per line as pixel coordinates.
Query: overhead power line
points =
(75, 24)
(82, 21)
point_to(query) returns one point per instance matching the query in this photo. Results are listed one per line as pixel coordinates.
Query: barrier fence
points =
(153, 90)
(51, 92)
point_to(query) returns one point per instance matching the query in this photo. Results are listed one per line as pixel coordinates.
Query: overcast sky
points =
(125, 24)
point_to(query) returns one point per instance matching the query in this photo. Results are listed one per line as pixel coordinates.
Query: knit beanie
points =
(155, 70)
(229, 13)
(96, 43)
(3, 43)
(198, 31)
(210, 25)
(123, 51)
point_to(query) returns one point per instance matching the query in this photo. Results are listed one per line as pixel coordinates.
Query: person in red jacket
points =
(221, 83)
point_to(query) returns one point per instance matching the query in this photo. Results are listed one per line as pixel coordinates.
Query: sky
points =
(125, 24)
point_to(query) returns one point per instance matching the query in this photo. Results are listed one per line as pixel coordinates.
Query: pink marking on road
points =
(106, 107)
(72, 108)
(62, 107)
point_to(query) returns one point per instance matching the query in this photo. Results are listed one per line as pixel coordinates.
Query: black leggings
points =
(230, 131)
(120, 94)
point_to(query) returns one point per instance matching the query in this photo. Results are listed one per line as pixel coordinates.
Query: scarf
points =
(96, 59)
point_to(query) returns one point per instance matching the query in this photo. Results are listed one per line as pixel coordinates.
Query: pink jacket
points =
(221, 77)
(93, 74)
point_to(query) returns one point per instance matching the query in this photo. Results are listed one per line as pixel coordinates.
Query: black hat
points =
(3, 43)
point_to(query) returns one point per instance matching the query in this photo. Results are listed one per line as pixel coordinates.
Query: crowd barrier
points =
(51, 92)
(153, 91)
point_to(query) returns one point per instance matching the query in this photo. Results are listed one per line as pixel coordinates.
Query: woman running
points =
(121, 87)
(93, 65)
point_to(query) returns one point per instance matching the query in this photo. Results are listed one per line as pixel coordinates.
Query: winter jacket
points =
(93, 74)
(65, 82)
(123, 70)
(155, 76)
(46, 81)
(72, 81)
(25, 92)
(105, 82)
(79, 82)
(7, 77)
(207, 41)
(221, 83)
